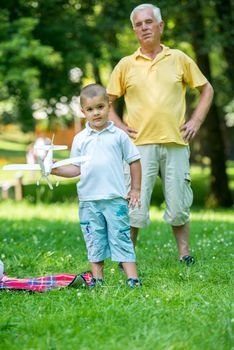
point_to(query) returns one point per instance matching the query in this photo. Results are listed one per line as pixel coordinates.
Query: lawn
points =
(177, 307)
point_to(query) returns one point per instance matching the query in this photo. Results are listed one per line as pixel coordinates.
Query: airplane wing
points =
(76, 160)
(48, 147)
(21, 167)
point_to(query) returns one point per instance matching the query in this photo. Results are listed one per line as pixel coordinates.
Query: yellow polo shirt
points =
(154, 93)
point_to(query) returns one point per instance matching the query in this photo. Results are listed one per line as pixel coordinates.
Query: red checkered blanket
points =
(46, 283)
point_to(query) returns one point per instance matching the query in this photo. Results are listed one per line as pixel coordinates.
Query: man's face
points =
(146, 27)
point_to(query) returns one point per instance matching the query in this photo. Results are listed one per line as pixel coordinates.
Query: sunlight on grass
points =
(198, 170)
(26, 211)
(7, 145)
(213, 215)
(65, 211)
(202, 215)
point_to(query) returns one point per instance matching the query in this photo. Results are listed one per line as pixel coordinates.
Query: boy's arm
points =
(66, 171)
(134, 194)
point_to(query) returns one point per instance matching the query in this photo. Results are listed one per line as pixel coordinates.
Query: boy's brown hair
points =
(92, 90)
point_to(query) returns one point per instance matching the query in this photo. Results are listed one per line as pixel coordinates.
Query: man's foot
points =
(96, 282)
(188, 260)
(134, 282)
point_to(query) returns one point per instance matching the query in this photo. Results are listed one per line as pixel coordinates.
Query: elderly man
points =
(153, 82)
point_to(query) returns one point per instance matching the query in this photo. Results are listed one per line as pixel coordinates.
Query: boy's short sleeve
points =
(130, 151)
(75, 150)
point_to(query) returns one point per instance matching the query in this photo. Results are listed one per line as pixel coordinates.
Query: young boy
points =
(104, 202)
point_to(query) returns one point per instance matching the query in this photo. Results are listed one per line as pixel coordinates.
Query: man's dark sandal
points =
(188, 260)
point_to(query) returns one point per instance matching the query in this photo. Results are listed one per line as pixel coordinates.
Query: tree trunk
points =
(96, 72)
(220, 194)
(224, 10)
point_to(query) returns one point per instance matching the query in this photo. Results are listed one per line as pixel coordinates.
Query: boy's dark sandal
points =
(188, 260)
(96, 282)
(134, 282)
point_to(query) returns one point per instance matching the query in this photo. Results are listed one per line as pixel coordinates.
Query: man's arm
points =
(66, 171)
(117, 120)
(135, 192)
(191, 127)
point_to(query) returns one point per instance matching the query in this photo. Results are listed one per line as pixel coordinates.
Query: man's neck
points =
(151, 51)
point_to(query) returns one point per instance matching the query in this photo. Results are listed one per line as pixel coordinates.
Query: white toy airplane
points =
(46, 165)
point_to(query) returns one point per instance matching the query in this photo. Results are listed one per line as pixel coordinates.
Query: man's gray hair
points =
(156, 12)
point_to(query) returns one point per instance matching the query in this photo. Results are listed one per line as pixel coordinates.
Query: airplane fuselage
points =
(48, 162)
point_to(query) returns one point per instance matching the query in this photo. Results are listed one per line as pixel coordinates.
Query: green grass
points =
(177, 307)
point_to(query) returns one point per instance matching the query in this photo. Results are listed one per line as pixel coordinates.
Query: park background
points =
(48, 50)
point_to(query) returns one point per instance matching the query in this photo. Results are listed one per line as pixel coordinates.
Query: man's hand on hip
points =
(131, 132)
(190, 129)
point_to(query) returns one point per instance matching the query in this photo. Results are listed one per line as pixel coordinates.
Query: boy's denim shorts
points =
(106, 229)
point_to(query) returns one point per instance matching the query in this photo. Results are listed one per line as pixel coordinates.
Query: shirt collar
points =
(165, 52)
(110, 127)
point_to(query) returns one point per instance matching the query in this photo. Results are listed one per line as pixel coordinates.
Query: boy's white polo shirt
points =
(102, 176)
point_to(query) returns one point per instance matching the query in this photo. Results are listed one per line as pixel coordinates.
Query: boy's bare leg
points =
(97, 269)
(130, 269)
(134, 234)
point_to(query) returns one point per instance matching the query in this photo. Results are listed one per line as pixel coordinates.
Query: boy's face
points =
(96, 110)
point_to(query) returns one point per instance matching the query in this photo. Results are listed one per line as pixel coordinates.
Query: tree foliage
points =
(41, 41)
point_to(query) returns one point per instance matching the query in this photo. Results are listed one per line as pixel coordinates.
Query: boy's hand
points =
(54, 171)
(133, 198)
